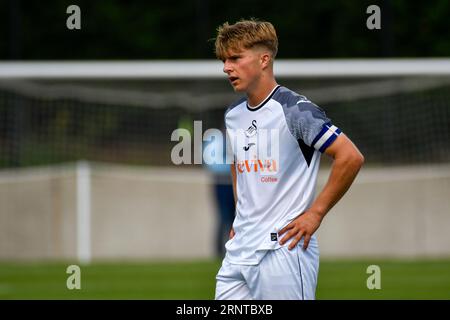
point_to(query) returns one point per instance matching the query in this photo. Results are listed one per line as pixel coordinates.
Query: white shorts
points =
(282, 274)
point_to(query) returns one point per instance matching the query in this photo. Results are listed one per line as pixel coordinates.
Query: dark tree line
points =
(157, 29)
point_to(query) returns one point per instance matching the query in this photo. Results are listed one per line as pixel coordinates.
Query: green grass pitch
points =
(340, 279)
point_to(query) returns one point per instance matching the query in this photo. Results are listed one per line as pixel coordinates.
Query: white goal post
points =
(212, 69)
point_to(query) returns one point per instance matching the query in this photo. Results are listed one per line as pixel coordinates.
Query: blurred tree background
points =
(165, 29)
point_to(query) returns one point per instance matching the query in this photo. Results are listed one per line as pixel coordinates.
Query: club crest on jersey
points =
(251, 131)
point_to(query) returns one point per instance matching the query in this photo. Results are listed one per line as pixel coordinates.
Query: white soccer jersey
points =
(276, 148)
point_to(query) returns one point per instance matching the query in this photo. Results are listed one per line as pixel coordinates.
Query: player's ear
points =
(265, 59)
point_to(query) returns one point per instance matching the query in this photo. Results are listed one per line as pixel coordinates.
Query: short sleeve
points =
(309, 123)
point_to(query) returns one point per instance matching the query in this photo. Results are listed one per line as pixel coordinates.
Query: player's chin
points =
(239, 88)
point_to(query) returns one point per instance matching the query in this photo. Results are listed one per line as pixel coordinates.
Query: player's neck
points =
(260, 92)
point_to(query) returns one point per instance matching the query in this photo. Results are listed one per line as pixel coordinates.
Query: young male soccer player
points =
(273, 252)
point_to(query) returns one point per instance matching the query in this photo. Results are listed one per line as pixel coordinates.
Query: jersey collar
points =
(259, 106)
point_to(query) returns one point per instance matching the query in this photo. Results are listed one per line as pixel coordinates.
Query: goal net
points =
(397, 112)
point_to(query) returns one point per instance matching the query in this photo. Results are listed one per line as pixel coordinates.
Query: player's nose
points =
(226, 67)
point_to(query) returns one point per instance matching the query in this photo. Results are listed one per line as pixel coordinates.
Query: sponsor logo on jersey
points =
(257, 165)
(269, 179)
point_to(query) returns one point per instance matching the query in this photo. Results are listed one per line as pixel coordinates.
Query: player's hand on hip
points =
(232, 233)
(303, 226)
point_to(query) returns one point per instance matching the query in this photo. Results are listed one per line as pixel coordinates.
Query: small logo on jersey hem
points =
(273, 237)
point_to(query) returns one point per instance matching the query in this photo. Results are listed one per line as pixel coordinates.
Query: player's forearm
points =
(344, 170)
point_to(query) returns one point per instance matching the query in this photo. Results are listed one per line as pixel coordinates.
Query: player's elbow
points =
(351, 159)
(356, 159)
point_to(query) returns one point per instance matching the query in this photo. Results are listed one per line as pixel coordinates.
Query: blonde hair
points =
(245, 34)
